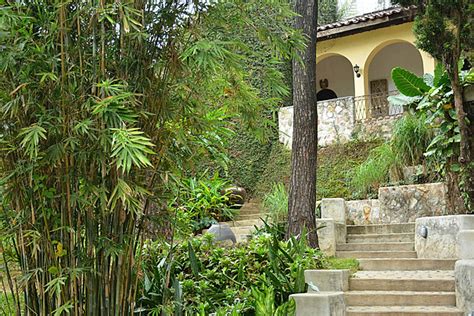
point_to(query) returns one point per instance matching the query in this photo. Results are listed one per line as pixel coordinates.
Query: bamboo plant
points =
(104, 105)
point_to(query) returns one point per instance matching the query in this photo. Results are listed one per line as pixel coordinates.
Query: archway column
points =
(429, 63)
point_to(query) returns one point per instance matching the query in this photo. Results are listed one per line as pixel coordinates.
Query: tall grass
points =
(409, 141)
(375, 171)
(411, 136)
(275, 203)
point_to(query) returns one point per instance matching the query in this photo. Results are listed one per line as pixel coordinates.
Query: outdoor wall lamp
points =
(357, 70)
(423, 232)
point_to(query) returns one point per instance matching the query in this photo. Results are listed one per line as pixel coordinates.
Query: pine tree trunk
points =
(302, 197)
(466, 157)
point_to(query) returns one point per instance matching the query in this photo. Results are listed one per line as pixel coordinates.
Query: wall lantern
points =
(423, 232)
(357, 70)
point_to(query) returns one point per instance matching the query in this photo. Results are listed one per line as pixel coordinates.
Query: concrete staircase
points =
(244, 224)
(392, 280)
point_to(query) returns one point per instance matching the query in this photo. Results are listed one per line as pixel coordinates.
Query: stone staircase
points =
(244, 224)
(392, 280)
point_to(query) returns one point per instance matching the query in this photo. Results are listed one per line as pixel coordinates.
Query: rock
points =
(222, 232)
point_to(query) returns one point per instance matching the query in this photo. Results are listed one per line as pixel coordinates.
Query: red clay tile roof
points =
(368, 17)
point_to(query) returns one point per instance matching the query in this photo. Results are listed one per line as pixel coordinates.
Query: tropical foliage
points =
(105, 105)
(444, 29)
(200, 277)
(432, 99)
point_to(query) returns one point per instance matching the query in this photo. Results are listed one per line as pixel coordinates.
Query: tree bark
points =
(302, 197)
(466, 157)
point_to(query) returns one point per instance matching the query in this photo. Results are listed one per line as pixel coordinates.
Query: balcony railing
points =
(367, 106)
(375, 106)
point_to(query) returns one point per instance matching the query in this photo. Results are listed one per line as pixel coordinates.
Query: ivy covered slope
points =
(337, 165)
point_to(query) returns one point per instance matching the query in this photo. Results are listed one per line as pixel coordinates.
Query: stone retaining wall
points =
(406, 203)
(363, 212)
(399, 204)
(337, 123)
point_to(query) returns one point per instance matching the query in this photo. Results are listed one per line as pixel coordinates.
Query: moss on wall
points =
(336, 166)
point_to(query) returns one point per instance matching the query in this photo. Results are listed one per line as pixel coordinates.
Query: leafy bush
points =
(276, 203)
(411, 136)
(201, 202)
(375, 171)
(201, 277)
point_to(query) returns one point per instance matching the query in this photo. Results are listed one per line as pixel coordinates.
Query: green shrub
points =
(275, 203)
(410, 138)
(201, 202)
(200, 277)
(375, 171)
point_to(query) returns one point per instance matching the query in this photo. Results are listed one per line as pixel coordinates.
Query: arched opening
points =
(335, 75)
(379, 65)
(402, 54)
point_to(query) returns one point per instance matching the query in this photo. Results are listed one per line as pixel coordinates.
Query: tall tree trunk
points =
(466, 157)
(302, 197)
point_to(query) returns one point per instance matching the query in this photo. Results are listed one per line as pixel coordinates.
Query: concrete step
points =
(377, 246)
(403, 264)
(376, 254)
(404, 298)
(416, 281)
(257, 216)
(371, 238)
(381, 229)
(250, 208)
(403, 310)
(247, 222)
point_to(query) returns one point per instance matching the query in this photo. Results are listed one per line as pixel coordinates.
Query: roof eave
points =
(364, 26)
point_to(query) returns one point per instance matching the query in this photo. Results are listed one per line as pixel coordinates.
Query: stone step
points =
(405, 298)
(250, 208)
(416, 281)
(257, 216)
(381, 229)
(247, 222)
(377, 246)
(403, 310)
(370, 238)
(376, 254)
(382, 264)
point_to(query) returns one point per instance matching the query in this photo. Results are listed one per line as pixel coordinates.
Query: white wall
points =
(340, 74)
(403, 55)
(358, 7)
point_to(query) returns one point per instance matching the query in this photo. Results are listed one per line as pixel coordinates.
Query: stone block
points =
(320, 304)
(466, 244)
(327, 236)
(406, 203)
(363, 212)
(341, 233)
(334, 208)
(464, 276)
(328, 280)
(442, 240)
